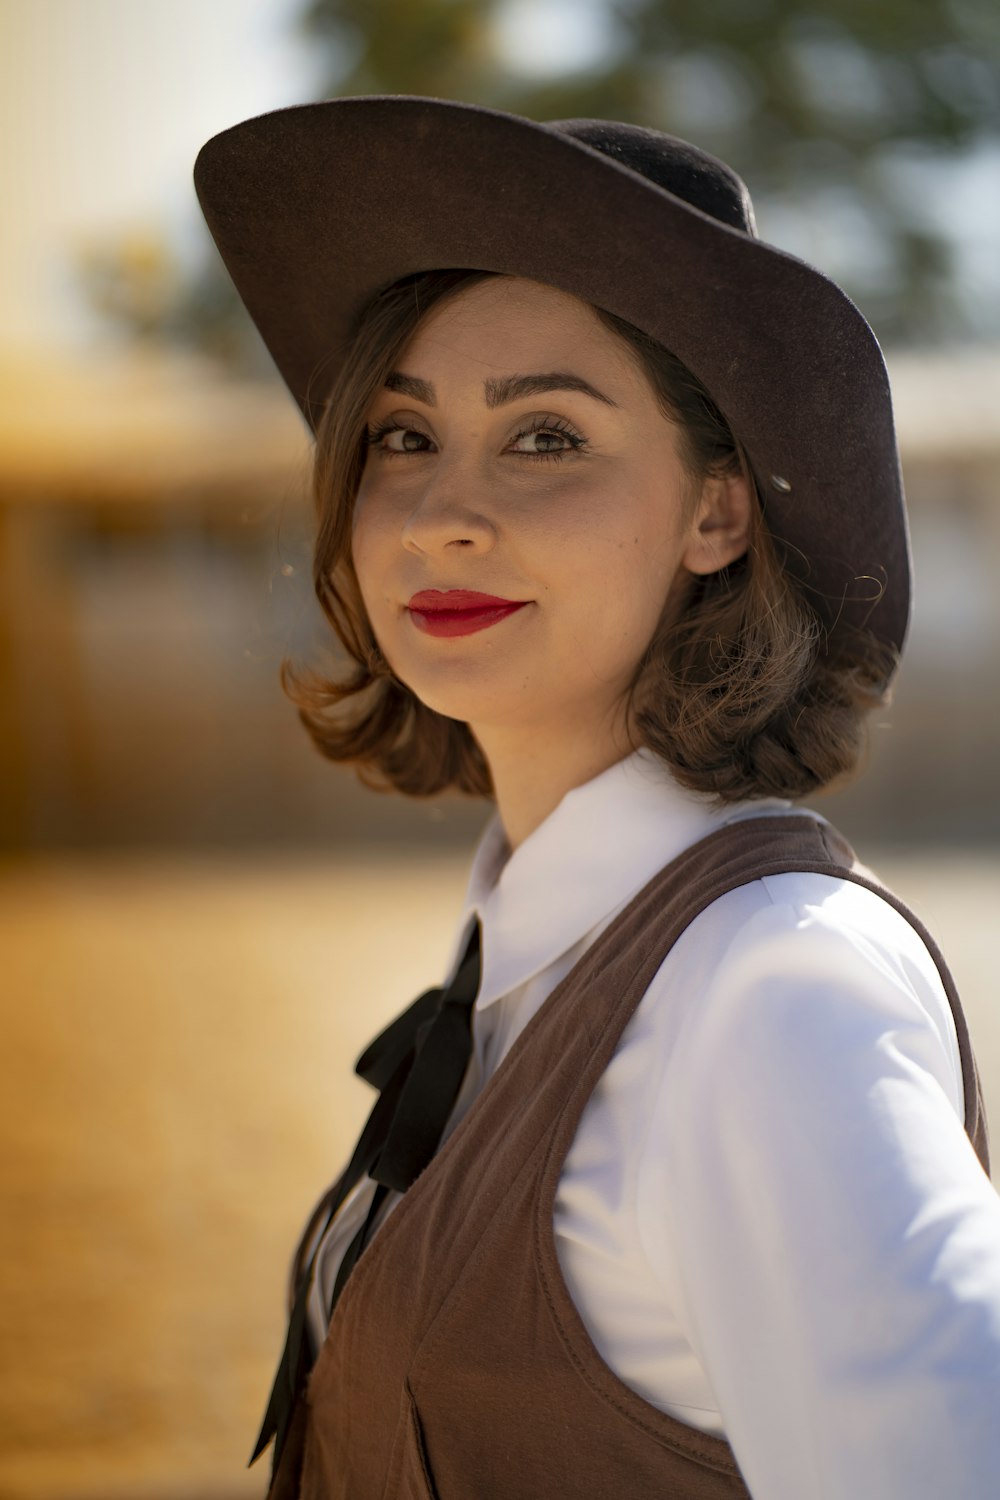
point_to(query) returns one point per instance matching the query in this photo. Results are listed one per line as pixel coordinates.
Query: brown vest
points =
(457, 1366)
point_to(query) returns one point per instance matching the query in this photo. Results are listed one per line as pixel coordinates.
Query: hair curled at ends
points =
(737, 691)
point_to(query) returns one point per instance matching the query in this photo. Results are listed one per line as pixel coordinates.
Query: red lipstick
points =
(459, 611)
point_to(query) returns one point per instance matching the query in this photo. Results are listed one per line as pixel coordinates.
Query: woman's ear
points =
(720, 527)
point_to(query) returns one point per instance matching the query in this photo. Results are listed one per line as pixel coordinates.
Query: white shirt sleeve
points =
(807, 1186)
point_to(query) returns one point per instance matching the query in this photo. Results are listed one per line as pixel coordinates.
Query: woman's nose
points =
(449, 513)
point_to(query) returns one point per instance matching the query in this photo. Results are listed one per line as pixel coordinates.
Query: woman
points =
(678, 1186)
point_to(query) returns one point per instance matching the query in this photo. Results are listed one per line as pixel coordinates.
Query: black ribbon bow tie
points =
(417, 1063)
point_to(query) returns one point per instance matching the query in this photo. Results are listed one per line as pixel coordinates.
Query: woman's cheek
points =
(368, 537)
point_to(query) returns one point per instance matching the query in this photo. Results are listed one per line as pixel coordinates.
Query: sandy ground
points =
(176, 1089)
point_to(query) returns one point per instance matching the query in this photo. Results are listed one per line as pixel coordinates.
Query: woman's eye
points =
(389, 438)
(549, 439)
(543, 441)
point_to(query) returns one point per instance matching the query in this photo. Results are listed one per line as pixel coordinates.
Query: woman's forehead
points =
(515, 325)
(496, 297)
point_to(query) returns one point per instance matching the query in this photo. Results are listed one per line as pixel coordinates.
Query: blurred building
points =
(154, 572)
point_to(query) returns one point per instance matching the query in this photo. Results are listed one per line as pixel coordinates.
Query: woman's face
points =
(519, 452)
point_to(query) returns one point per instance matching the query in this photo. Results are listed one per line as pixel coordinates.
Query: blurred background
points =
(194, 908)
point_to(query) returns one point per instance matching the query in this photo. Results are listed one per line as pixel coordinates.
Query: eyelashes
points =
(548, 427)
(377, 432)
(552, 427)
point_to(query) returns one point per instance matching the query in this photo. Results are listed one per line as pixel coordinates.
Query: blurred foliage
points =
(137, 283)
(842, 117)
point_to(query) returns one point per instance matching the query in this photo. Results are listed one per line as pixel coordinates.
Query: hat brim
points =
(317, 208)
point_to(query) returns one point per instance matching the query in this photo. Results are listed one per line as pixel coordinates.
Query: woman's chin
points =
(473, 703)
(456, 690)
(467, 708)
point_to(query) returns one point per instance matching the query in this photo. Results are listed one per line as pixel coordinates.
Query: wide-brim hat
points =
(317, 208)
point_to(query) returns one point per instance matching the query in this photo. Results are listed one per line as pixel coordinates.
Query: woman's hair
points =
(739, 690)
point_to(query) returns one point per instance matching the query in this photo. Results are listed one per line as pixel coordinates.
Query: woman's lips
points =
(441, 599)
(459, 611)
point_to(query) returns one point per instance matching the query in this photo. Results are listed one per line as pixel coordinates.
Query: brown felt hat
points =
(316, 208)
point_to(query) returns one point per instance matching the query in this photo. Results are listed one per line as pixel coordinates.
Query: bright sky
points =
(103, 106)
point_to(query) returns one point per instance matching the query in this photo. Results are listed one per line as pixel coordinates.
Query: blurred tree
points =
(843, 116)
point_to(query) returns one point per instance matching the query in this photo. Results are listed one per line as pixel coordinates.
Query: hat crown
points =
(684, 170)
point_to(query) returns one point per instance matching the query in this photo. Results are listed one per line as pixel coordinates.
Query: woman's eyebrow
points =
(508, 388)
(503, 389)
(409, 385)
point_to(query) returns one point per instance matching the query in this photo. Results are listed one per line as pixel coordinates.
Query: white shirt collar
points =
(602, 843)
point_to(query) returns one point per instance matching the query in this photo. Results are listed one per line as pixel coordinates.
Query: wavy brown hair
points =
(739, 690)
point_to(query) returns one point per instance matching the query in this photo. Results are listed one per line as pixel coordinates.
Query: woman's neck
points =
(532, 772)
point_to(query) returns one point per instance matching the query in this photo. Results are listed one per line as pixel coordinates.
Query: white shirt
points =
(771, 1220)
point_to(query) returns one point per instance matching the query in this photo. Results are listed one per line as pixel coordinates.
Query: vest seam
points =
(718, 1462)
(458, 1290)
